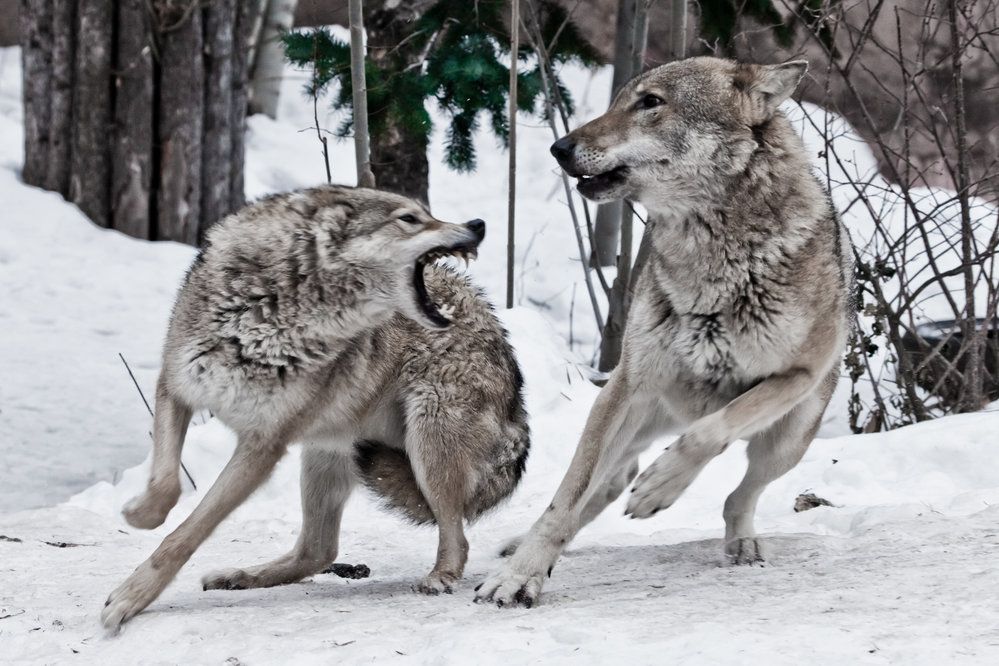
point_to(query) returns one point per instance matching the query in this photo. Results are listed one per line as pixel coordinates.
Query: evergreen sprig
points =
(463, 71)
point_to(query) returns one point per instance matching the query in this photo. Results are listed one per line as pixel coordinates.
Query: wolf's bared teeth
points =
(447, 310)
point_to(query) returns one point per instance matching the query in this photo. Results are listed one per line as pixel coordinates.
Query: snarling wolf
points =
(739, 316)
(320, 317)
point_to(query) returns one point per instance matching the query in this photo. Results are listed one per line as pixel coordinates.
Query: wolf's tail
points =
(388, 472)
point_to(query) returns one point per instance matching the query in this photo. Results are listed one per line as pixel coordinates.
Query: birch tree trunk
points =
(268, 64)
(243, 44)
(362, 143)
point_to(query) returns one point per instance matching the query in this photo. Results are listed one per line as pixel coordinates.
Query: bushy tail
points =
(388, 472)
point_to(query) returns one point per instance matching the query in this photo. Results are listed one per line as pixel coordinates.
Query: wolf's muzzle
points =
(562, 151)
(477, 227)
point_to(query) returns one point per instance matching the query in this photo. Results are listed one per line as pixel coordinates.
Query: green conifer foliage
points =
(462, 46)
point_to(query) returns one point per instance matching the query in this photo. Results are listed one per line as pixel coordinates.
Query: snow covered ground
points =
(903, 569)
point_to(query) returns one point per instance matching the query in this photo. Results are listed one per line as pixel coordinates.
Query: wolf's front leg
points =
(170, 422)
(619, 424)
(249, 466)
(659, 486)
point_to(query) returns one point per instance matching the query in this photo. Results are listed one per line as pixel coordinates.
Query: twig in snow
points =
(150, 410)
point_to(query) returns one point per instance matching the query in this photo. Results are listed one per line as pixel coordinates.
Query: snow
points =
(902, 569)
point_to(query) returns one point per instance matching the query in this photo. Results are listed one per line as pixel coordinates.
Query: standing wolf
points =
(738, 318)
(319, 317)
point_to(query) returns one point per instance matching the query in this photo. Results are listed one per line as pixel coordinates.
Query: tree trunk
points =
(268, 66)
(90, 166)
(220, 21)
(180, 113)
(399, 162)
(620, 297)
(511, 203)
(359, 93)
(398, 157)
(243, 39)
(36, 36)
(677, 29)
(132, 147)
(61, 96)
(607, 226)
(135, 110)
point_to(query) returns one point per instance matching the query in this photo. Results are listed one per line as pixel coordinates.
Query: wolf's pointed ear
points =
(776, 82)
(767, 86)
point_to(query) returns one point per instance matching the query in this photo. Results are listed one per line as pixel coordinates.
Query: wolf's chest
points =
(705, 345)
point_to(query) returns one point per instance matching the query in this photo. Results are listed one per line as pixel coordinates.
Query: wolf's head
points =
(398, 238)
(676, 129)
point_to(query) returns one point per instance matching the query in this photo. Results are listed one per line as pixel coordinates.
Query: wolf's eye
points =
(650, 101)
(408, 219)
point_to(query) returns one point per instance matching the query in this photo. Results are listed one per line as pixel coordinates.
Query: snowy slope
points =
(902, 570)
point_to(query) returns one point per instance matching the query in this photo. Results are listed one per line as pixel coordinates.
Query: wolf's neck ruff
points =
(737, 243)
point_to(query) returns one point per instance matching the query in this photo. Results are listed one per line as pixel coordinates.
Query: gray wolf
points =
(320, 317)
(739, 316)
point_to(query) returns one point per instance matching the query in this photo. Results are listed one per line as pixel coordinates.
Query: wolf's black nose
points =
(477, 227)
(562, 149)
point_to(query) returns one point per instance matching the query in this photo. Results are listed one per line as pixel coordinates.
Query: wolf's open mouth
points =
(589, 185)
(439, 313)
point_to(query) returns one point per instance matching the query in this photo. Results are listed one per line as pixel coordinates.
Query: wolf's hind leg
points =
(327, 481)
(170, 422)
(771, 453)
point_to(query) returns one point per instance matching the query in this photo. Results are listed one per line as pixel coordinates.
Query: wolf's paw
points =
(659, 486)
(150, 509)
(436, 583)
(745, 550)
(137, 592)
(511, 546)
(511, 588)
(227, 579)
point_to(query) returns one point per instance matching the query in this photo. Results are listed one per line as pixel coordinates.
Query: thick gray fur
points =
(739, 317)
(299, 322)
